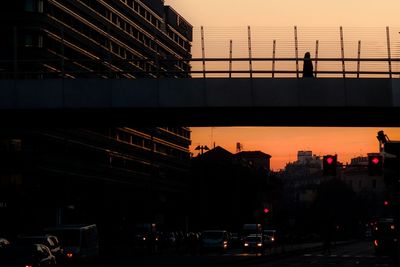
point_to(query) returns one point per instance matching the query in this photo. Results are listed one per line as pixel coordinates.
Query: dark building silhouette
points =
(111, 176)
(256, 159)
(226, 192)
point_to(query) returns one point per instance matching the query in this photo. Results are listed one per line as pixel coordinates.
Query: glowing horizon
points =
(283, 143)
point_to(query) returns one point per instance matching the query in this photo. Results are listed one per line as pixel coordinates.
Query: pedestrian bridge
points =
(202, 102)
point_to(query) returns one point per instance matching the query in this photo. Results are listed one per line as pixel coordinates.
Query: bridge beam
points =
(203, 102)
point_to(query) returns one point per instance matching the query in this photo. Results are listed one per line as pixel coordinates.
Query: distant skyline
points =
(282, 143)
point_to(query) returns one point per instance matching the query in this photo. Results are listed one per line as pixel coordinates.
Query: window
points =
(30, 5)
(40, 6)
(136, 6)
(40, 41)
(28, 42)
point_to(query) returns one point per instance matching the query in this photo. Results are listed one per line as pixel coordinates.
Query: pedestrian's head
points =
(307, 55)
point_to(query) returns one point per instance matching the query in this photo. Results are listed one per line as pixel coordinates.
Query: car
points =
(253, 243)
(50, 241)
(33, 255)
(235, 240)
(4, 242)
(80, 243)
(269, 238)
(214, 240)
(146, 238)
(385, 235)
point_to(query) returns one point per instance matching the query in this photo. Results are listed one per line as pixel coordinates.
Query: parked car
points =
(253, 243)
(49, 241)
(34, 255)
(80, 243)
(4, 243)
(214, 240)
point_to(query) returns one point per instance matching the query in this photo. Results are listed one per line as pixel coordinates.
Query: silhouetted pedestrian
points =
(308, 66)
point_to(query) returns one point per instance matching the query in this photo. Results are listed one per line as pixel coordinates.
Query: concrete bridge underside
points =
(201, 102)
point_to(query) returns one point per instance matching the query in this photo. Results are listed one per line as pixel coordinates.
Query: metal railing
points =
(353, 52)
(58, 68)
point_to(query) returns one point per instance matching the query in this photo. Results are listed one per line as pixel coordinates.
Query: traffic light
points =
(375, 165)
(329, 165)
(266, 210)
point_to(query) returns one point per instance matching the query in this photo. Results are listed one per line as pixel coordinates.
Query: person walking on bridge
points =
(308, 66)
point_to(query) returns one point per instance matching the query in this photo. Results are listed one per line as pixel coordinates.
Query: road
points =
(358, 254)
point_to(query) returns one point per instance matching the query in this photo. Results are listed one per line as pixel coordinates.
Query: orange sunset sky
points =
(280, 142)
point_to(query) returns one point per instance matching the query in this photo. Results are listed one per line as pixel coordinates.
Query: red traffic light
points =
(329, 160)
(386, 203)
(375, 165)
(329, 165)
(266, 210)
(375, 160)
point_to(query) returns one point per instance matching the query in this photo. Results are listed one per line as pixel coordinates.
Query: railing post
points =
(388, 50)
(203, 53)
(316, 58)
(342, 50)
(249, 44)
(358, 58)
(273, 58)
(230, 58)
(296, 51)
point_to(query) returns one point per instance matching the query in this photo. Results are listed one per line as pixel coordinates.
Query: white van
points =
(214, 240)
(80, 243)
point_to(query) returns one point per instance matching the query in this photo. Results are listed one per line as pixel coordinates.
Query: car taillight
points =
(28, 265)
(70, 255)
(376, 243)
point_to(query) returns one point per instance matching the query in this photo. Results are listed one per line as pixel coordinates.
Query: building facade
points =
(357, 177)
(112, 176)
(94, 38)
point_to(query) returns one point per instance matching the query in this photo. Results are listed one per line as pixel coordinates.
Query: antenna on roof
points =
(239, 147)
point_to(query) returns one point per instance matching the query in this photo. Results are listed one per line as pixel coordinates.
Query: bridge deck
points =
(211, 101)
